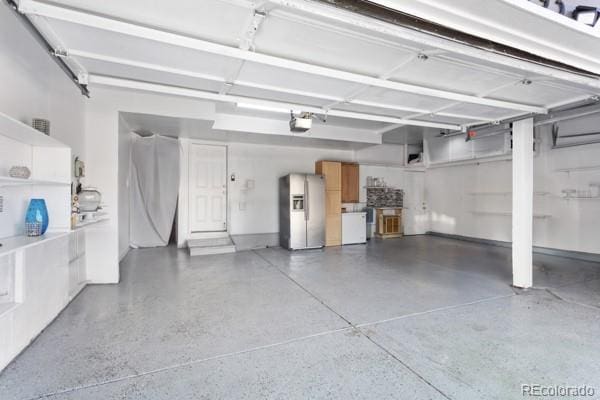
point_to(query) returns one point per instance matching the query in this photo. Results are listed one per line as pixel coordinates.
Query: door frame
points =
(184, 232)
(226, 210)
(415, 209)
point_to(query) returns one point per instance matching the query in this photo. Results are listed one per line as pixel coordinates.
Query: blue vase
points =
(37, 213)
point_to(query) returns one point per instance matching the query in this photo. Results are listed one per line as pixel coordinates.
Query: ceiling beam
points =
(72, 53)
(127, 28)
(199, 94)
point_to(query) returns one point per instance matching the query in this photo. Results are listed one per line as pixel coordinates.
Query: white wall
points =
(255, 211)
(124, 191)
(265, 165)
(572, 225)
(103, 166)
(383, 154)
(33, 86)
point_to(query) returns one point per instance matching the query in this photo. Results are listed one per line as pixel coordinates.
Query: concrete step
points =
(219, 245)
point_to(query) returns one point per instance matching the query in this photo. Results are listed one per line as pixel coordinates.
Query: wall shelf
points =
(24, 133)
(508, 214)
(579, 169)
(49, 161)
(504, 193)
(490, 193)
(15, 243)
(7, 307)
(91, 222)
(581, 198)
(8, 181)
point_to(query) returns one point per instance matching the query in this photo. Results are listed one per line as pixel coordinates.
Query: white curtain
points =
(154, 189)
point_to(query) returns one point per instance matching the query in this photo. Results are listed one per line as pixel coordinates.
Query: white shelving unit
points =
(5, 308)
(16, 130)
(15, 243)
(37, 279)
(504, 193)
(8, 181)
(509, 214)
(580, 198)
(579, 169)
(91, 222)
(49, 161)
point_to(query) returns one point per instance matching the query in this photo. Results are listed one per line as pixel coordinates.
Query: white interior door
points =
(415, 216)
(208, 188)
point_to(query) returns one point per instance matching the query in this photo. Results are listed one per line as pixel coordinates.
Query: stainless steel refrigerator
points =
(302, 211)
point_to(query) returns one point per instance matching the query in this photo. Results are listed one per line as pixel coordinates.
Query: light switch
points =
(250, 184)
(1, 204)
(242, 206)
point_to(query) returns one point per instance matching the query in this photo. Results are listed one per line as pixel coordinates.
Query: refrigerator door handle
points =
(306, 200)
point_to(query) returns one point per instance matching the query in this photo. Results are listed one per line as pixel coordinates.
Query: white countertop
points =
(354, 212)
(84, 224)
(15, 243)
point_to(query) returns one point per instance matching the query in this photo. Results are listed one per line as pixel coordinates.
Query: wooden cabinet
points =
(333, 202)
(333, 230)
(389, 222)
(350, 183)
(332, 171)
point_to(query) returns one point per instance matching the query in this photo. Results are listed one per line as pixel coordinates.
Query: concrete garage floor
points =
(414, 318)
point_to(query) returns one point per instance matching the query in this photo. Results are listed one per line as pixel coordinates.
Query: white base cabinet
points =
(43, 276)
(77, 275)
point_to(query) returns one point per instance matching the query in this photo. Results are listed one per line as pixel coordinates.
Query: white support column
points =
(522, 203)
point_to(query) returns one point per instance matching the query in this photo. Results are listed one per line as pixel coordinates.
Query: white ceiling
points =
(376, 76)
(147, 124)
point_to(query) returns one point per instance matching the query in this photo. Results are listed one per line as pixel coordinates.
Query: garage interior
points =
(454, 251)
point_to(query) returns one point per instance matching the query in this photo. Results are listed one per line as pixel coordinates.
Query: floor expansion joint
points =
(361, 332)
(193, 362)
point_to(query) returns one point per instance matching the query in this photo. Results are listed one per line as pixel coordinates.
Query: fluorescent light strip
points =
(257, 107)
